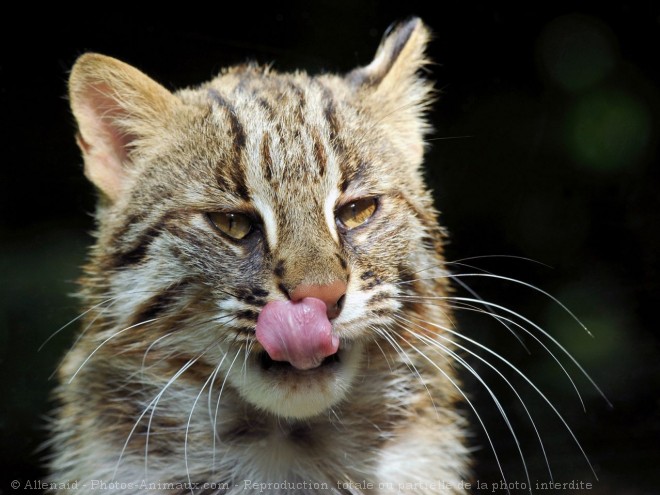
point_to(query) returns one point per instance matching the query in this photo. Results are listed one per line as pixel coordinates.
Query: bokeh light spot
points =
(608, 130)
(576, 52)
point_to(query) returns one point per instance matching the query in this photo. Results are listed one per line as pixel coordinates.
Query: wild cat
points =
(266, 306)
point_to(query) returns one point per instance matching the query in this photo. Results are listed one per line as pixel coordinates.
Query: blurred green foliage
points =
(609, 130)
(577, 51)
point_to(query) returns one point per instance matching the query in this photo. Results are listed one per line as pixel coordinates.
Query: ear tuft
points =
(115, 105)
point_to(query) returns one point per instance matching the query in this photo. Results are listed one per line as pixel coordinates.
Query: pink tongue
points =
(297, 332)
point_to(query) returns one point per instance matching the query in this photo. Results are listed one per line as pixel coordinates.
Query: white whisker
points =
(485, 256)
(192, 410)
(73, 321)
(520, 282)
(107, 340)
(387, 360)
(554, 341)
(442, 348)
(498, 317)
(395, 345)
(146, 352)
(540, 330)
(210, 402)
(152, 405)
(468, 401)
(217, 404)
(524, 377)
(477, 296)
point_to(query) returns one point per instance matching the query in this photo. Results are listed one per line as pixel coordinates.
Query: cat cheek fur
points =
(176, 386)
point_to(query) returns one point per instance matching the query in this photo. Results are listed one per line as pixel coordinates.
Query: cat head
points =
(217, 203)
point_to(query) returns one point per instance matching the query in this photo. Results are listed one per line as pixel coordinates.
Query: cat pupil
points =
(234, 225)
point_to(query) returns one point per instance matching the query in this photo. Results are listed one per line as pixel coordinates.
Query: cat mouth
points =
(329, 363)
(291, 392)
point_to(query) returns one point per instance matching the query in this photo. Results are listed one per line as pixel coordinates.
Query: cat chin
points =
(295, 394)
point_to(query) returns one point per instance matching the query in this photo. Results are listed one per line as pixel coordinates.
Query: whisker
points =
(523, 376)
(80, 336)
(523, 258)
(217, 404)
(520, 282)
(469, 402)
(471, 267)
(66, 325)
(107, 300)
(399, 350)
(152, 405)
(154, 402)
(497, 317)
(540, 330)
(177, 331)
(427, 268)
(107, 340)
(442, 266)
(210, 398)
(192, 410)
(146, 352)
(248, 350)
(497, 402)
(440, 347)
(474, 294)
(448, 138)
(554, 341)
(387, 360)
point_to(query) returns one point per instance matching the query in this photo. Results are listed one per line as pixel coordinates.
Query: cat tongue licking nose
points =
(297, 332)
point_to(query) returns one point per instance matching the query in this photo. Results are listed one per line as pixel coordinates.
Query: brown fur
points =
(171, 302)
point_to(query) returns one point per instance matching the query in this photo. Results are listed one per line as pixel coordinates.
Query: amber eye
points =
(235, 225)
(357, 212)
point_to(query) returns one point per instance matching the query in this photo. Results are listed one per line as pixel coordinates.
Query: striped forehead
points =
(283, 149)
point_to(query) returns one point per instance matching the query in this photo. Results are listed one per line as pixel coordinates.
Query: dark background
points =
(545, 147)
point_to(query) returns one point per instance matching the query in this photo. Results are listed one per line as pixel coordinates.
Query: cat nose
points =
(331, 294)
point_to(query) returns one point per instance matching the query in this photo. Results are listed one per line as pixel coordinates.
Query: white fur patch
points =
(329, 212)
(356, 301)
(301, 396)
(270, 222)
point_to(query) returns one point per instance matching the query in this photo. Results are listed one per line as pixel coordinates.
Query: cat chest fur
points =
(253, 309)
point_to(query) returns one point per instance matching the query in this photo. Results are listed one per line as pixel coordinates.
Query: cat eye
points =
(357, 212)
(235, 225)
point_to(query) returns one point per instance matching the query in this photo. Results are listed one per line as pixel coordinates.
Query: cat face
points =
(224, 203)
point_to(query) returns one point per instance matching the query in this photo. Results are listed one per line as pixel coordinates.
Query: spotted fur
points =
(164, 384)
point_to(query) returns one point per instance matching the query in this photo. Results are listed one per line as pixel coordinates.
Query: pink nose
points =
(331, 294)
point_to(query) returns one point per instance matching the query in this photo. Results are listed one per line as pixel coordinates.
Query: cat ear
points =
(391, 87)
(399, 57)
(115, 106)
